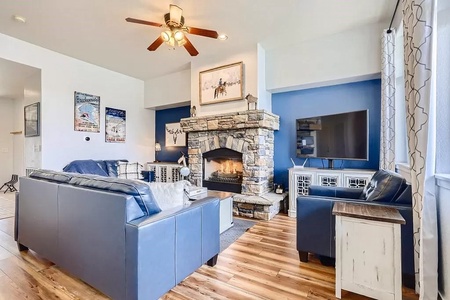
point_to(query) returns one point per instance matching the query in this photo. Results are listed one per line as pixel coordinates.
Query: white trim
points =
(404, 170)
(443, 181)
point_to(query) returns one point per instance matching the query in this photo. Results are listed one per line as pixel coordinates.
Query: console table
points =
(301, 178)
(368, 250)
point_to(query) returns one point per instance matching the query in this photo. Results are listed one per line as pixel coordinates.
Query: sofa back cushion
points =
(139, 190)
(87, 166)
(54, 176)
(384, 186)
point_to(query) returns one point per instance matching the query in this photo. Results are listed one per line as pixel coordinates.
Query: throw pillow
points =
(128, 170)
(170, 194)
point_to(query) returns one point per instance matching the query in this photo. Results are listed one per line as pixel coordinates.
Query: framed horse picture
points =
(221, 84)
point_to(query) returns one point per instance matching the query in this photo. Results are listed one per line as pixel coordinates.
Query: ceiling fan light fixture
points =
(171, 42)
(181, 43)
(178, 35)
(166, 35)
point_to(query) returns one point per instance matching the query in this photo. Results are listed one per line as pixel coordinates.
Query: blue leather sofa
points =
(316, 223)
(95, 167)
(111, 234)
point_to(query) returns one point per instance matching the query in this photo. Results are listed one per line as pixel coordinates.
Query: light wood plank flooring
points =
(262, 264)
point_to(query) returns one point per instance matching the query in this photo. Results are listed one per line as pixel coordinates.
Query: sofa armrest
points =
(332, 191)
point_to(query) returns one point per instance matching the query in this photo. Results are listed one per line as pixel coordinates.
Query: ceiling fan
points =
(176, 31)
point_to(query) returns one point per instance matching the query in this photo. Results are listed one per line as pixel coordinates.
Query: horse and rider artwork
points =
(221, 84)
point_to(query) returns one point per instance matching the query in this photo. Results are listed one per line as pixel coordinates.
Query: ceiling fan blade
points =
(131, 20)
(203, 32)
(155, 44)
(189, 47)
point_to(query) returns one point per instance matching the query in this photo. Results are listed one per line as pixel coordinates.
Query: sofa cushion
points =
(384, 186)
(53, 176)
(170, 194)
(138, 189)
(112, 167)
(128, 170)
(87, 166)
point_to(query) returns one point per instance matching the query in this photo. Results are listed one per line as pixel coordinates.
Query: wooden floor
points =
(262, 264)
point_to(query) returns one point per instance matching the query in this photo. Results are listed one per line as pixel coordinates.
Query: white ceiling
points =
(12, 78)
(95, 30)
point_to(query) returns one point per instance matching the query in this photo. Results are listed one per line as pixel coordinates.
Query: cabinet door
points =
(357, 180)
(329, 179)
(302, 183)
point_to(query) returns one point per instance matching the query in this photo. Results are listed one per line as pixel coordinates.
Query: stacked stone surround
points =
(248, 132)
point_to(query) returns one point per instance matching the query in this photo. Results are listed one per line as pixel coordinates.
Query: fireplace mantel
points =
(237, 120)
(247, 132)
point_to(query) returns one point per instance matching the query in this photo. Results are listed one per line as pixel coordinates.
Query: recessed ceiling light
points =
(223, 37)
(20, 19)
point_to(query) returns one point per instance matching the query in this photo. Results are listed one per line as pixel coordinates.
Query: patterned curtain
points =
(419, 29)
(387, 142)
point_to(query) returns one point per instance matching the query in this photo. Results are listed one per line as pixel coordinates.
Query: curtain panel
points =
(419, 29)
(387, 134)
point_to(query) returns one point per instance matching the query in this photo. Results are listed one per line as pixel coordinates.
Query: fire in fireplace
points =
(222, 170)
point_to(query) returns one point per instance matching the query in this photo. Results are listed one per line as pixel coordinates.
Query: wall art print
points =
(115, 125)
(31, 118)
(87, 113)
(221, 84)
(175, 137)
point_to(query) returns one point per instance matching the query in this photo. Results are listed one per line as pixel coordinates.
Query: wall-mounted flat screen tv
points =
(338, 136)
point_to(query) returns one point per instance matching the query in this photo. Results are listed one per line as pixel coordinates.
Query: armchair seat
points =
(316, 223)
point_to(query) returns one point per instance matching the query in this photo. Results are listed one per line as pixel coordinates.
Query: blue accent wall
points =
(162, 117)
(324, 101)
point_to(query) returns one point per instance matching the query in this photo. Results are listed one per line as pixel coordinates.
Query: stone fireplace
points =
(249, 134)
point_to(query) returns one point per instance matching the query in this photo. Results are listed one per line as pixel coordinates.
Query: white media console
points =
(301, 178)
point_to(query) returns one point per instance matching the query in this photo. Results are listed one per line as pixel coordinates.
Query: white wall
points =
(264, 97)
(6, 139)
(169, 90)
(61, 76)
(345, 57)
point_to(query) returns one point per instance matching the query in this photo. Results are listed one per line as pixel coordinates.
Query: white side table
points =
(368, 250)
(226, 207)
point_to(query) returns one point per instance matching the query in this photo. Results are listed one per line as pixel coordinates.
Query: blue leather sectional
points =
(110, 232)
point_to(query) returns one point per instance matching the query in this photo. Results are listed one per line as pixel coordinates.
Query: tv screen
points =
(338, 136)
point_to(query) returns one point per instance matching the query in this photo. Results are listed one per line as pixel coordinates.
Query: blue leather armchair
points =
(316, 223)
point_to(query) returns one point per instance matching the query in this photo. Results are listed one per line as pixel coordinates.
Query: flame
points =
(229, 167)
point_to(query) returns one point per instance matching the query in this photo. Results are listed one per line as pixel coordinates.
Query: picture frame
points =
(221, 84)
(86, 112)
(32, 119)
(175, 136)
(115, 125)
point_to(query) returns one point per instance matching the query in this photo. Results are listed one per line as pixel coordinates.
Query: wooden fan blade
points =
(131, 20)
(189, 47)
(155, 44)
(203, 32)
